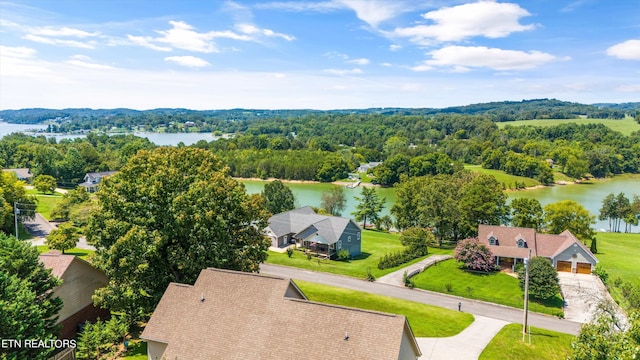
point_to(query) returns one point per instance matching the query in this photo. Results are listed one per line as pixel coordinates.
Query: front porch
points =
(318, 249)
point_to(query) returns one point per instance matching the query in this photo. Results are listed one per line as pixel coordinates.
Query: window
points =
(493, 241)
(349, 238)
(339, 244)
(522, 243)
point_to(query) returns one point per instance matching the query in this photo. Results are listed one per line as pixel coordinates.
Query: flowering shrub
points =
(474, 255)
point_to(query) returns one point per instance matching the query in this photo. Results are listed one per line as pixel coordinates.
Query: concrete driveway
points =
(582, 294)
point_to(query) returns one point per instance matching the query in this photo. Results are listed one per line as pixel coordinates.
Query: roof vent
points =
(346, 336)
(202, 297)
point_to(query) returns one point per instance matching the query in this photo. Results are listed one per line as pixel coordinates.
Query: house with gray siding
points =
(321, 234)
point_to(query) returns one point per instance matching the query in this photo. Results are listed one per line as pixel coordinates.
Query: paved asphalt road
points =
(489, 310)
(38, 227)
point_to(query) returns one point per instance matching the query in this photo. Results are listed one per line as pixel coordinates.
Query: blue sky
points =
(330, 54)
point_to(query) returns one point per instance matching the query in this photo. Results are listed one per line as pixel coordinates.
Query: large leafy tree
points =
(64, 237)
(569, 215)
(452, 205)
(334, 200)
(45, 184)
(168, 214)
(278, 197)
(369, 206)
(12, 191)
(28, 309)
(527, 212)
(543, 278)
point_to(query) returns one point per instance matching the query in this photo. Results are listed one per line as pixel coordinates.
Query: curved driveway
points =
(499, 312)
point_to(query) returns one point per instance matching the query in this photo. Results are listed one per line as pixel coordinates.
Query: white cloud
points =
(354, 71)
(188, 61)
(360, 61)
(63, 42)
(182, 36)
(86, 62)
(394, 47)
(484, 18)
(463, 57)
(374, 12)
(254, 30)
(147, 42)
(16, 52)
(62, 31)
(627, 50)
(300, 6)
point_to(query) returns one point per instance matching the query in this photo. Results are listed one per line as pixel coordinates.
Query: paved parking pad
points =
(582, 294)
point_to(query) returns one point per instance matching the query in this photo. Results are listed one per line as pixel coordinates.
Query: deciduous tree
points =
(334, 200)
(527, 212)
(278, 197)
(369, 206)
(168, 214)
(569, 215)
(45, 183)
(64, 237)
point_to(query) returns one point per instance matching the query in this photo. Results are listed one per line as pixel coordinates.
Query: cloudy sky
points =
(331, 54)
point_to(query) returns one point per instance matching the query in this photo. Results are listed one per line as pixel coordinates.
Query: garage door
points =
(564, 266)
(584, 268)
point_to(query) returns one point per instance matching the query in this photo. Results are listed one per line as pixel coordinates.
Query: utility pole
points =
(16, 211)
(526, 296)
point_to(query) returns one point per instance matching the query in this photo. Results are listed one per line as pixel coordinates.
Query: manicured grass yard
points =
(137, 350)
(496, 287)
(618, 253)
(425, 320)
(46, 204)
(81, 253)
(625, 126)
(374, 245)
(545, 345)
(504, 178)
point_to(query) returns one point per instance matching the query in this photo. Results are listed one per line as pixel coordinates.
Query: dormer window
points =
(521, 243)
(493, 240)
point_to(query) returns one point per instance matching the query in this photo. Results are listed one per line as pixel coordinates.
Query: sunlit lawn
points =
(496, 287)
(46, 204)
(374, 245)
(503, 178)
(626, 126)
(425, 320)
(83, 254)
(545, 345)
(618, 254)
(137, 350)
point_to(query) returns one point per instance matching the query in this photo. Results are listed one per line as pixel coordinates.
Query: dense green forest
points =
(327, 146)
(237, 120)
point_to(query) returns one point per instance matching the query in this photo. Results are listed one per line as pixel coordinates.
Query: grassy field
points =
(504, 178)
(46, 204)
(374, 245)
(81, 253)
(625, 126)
(618, 253)
(497, 288)
(425, 320)
(545, 345)
(137, 350)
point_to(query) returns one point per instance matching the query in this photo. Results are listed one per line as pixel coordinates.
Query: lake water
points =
(160, 139)
(589, 195)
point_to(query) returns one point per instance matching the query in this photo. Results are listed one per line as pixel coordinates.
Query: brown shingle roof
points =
(56, 261)
(248, 316)
(547, 245)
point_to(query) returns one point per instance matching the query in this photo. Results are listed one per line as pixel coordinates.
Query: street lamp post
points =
(526, 296)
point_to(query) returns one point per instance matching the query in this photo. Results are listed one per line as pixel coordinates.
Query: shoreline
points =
(339, 183)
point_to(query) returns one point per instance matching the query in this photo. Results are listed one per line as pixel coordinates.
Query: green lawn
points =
(545, 345)
(46, 204)
(374, 245)
(137, 350)
(496, 287)
(425, 320)
(81, 253)
(626, 126)
(504, 178)
(618, 253)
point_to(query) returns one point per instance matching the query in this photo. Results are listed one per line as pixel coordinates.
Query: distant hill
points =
(496, 111)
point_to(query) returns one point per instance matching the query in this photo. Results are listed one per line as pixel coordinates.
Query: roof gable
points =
(228, 314)
(304, 222)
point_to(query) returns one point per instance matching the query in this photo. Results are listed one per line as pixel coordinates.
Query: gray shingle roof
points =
(304, 222)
